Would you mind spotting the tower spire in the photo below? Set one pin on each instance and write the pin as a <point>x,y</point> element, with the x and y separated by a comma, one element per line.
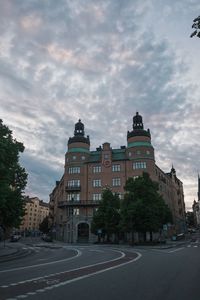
<point>137,122</point>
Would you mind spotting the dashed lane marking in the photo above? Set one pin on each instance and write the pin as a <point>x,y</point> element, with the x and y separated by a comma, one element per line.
<point>100,251</point>
<point>44,264</point>
<point>80,273</point>
<point>175,250</point>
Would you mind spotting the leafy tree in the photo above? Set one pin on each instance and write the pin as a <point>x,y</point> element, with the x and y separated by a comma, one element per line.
<point>190,219</point>
<point>44,225</point>
<point>13,179</point>
<point>143,208</point>
<point>196,25</point>
<point>107,217</point>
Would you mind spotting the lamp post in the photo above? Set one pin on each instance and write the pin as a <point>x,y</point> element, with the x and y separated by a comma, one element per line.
<point>72,221</point>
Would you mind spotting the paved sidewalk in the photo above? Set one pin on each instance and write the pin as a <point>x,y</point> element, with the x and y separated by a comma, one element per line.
<point>10,250</point>
<point>6,249</point>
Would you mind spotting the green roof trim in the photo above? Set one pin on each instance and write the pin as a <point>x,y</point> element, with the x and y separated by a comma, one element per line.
<point>118,150</point>
<point>139,144</point>
<point>82,150</point>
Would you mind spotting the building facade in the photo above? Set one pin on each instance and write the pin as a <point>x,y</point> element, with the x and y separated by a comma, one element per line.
<point>196,207</point>
<point>77,195</point>
<point>35,212</point>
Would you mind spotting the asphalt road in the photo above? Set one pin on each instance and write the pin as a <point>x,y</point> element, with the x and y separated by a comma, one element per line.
<point>103,272</point>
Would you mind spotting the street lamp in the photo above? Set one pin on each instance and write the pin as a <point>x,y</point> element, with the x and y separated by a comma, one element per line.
<point>72,221</point>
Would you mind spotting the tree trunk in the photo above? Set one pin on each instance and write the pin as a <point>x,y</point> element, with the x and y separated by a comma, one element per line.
<point>99,238</point>
<point>132,237</point>
<point>108,238</point>
<point>151,236</point>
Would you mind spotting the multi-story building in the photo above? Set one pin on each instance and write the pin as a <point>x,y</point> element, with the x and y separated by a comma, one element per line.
<point>77,195</point>
<point>196,207</point>
<point>35,212</point>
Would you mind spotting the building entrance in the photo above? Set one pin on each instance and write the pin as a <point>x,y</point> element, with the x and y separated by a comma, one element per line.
<point>83,232</point>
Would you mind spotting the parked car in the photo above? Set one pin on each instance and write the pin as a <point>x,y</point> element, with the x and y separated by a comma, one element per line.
<point>191,230</point>
<point>15,238</point>
<point>47,238</point>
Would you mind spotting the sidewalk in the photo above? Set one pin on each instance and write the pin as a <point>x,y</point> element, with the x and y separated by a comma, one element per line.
<point>6,249</point>
<point>9,251</point>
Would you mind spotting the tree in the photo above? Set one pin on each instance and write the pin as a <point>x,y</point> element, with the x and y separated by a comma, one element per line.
<point>44,225</point>
<point>190,219</point>
<point>196,25</point>
<point>13,179</point>
<point>143,208</point>
<point>107,217</point>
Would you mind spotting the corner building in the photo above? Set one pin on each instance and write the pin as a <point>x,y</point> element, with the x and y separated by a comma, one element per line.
<point>77,195</point>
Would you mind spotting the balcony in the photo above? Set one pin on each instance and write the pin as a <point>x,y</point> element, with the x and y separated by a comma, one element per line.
<point>81,203</point>
<point>73,188</point>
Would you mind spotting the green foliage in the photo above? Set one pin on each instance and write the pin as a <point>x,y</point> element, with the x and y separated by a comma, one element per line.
<point>143,209</point>
<point>190,219</point>
<point>13,179</point>
<point>44,225</point>
<point>196,25</point>
<point>107,216</point>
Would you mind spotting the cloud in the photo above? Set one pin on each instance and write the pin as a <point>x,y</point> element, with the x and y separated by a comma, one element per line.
<point>101,62</point>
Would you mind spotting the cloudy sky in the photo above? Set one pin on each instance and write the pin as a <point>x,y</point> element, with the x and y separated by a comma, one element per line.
<point>100,61</point>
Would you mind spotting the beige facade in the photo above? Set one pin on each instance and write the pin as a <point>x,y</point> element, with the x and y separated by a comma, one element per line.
<point>77,194</point>
<point>35,212</point>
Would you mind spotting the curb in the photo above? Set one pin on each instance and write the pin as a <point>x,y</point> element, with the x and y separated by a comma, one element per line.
<point>19,253</point>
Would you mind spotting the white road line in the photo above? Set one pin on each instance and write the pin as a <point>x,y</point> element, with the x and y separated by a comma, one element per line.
<point>178,249</point>
<point>100,251</point>
<point>44,264</point>
<point>58,273</point>
<point>88,275</point>
<point>188,246</point>
<point>98,272</point>
<point>31,293</point>
<point>195,246</point>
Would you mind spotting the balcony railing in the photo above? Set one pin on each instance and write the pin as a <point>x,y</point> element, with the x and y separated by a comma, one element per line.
<point>81,203</point>
<point>73,188</point>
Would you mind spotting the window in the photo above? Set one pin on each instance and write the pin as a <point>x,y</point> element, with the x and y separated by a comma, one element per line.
<point>75,182</point>
<point>139,165</point>
<point>74,170</point>
<point>96,197</point>
<point>73,197</point>
<point>74,157</point>
<point>116,168</point>
<point>76,211</point>
<point>147,152</point>
<point>138,152</point>
<point>96,182</point>
<point>83,157</point>
<point>134,177</point>
<point>116,181</point>
<point>96,169</point>
<point>129,154</point>
<point>106,156</point>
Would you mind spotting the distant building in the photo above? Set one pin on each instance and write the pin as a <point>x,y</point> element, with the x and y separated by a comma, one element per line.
<point>76,196</point>
<point>196,206</point>
<point>35,212</point>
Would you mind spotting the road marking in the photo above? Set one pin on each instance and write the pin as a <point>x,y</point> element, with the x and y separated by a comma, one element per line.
<point>44,264</point>
<point>139,255</point>
<point>40,279</point>
<point>178,249</point>
<point>31,293</point>
<point>100,251</point>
